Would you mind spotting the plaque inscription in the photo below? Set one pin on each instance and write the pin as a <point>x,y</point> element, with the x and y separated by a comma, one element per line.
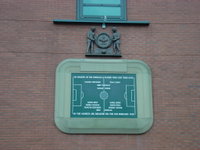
<point>102,95</point>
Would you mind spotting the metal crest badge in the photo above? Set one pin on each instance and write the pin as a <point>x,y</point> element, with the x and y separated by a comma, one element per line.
<point>103,44</point>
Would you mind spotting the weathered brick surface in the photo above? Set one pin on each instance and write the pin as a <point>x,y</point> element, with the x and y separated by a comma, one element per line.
<point>31,46</point>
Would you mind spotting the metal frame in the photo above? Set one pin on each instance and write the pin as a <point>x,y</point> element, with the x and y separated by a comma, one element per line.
<point>123,17</point>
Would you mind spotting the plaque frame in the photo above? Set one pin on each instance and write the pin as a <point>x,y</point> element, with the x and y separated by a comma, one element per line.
<point>68,124</point>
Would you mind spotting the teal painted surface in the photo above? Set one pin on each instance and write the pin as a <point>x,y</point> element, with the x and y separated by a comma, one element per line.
<point>63,97</point>
<point>57,21</point>
<point>103,95</point>
<point>102,1</point>
<point>101,11</point>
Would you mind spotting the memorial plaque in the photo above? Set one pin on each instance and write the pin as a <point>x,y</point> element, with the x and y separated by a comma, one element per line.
<point>97,96</point>
<point>101,95</point>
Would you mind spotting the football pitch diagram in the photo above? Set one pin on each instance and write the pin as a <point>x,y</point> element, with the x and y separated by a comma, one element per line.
<point>98,95</point>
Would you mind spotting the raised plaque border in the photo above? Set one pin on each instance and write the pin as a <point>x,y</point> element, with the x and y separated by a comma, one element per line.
<point>138,125</point>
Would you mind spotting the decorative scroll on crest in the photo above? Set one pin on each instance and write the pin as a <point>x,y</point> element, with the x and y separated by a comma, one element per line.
<point>103,44</point>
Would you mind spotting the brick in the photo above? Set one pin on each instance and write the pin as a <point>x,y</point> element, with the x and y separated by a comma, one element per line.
<point>32,46</point>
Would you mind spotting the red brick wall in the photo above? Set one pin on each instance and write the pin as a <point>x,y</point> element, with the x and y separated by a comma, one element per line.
<point>31,46</point>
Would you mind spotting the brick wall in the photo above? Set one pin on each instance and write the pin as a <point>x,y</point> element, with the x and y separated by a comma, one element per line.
<point>31,46</point>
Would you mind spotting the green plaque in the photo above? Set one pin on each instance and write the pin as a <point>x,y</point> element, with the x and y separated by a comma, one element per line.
<point>100,95</point>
